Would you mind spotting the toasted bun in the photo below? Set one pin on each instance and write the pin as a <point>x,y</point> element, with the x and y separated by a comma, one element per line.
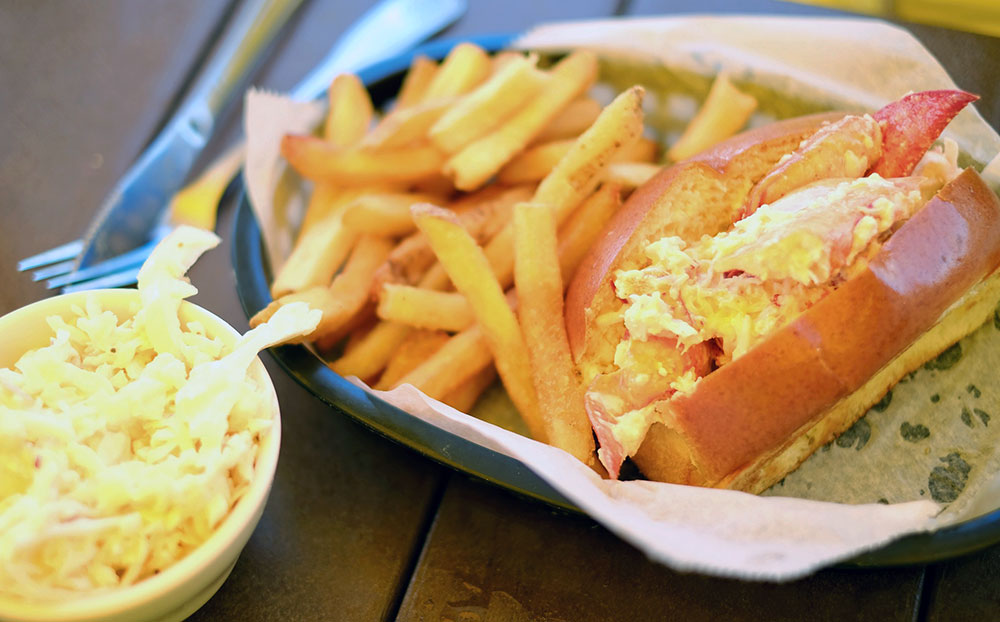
<point>750,422</point>
<point>696,197</point>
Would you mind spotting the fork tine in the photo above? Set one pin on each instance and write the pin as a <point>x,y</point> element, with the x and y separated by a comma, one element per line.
<point>128,276</point>
<point>126,260</point>
<point>53,255</point>
<point>53,270</point>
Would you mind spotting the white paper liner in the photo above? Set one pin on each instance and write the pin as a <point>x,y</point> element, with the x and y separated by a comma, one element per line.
<point>855,62</point>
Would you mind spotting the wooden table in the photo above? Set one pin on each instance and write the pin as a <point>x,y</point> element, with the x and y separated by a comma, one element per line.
<point>357,527</point>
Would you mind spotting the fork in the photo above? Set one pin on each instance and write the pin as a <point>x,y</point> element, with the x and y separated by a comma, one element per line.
<point>132,215</point>
<point>391,27</point>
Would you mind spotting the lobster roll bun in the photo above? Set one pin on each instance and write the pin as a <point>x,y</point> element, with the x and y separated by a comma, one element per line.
<point>748,305</point>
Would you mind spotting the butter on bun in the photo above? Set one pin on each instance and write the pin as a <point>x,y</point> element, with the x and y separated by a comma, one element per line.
<point>748,305</point>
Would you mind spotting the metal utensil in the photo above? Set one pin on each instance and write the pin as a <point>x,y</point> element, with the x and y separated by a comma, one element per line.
<point>391,27</point>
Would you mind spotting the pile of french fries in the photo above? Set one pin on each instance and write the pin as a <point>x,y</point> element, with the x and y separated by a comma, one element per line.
<point>439,237</point>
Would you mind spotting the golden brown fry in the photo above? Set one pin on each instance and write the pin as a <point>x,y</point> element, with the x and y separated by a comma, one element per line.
<point>578,115</point>
<point>317,160</point>
<point>470,272</point>
<point>485,212</point>
<point>582,230</point>
<point>405,126</point>
<point>641,150</point>
<point>369,355</point>
<point>347,294</point>
<point>414,350</point>
<point>534,163</point>
<point>477,162</point>
<point>418,78</point>
<point>462,70</point>
<point>363,320</point>
<point>437,184</point>
<point>461,358</point>
<point>540,309</point>
<point>358,333</point>
<point>502,58</point>
<point>424,308</point>
<point>386,214</point>
<point>321,201</point>
<point>350,111</point>
<point>488,105</point>
<point>465,396</point>
<point>630,175</point>
<point>322,245</point>
<point>482,213</point>
<point>724,112</point>
<point>577,174</point>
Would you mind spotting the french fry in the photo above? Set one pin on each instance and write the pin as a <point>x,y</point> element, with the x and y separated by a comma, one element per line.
<point>386,214</point>
<point>578,115</point>
<point>350,111</point>
<point>424,308</point>
<point>641,150</point>
<point>489,104</point>
<point>577,173</point>
<point>470,272</point>
<point>418,78</point>
<point>461,71</point>
<point>322,200</point>
<point>461,358</point>
<point>319,161</point>
<point>585,226</point>
<point>347,294</point>
<point>482,213</point>
<point>414,350</point>
<point>630,175</point>
<point>540,309</point>
<point>465,396</point>
<point>369,355</point>
<point>500,59</point>
<point>536,162</point>
<point>359,333</point>
<point>361,321</point>
<point>478,161</point>
<point>437,184</point>
<point>322,245</point>
<point>405,126</point>
<point>724,112</point>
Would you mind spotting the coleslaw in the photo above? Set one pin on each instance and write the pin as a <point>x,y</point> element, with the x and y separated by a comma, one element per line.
<point>126,441</point>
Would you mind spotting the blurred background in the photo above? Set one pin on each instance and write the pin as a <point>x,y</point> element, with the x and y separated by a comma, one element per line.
<point>981,16</point>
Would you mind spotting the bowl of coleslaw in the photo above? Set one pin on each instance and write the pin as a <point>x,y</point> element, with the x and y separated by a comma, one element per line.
<point>139,437</point>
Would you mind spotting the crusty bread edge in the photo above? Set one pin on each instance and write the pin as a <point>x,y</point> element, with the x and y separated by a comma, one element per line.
<point>961,319</point>
<point>750,422</point>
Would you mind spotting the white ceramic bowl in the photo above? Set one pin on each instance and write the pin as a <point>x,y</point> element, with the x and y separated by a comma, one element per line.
<point>182,588</point>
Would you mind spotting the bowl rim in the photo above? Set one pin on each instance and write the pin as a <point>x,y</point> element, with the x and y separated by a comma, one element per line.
<point>252,278</point>
<point>238,523</point>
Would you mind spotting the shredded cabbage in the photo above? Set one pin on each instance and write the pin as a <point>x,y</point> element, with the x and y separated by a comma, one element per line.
<point>126,441</point>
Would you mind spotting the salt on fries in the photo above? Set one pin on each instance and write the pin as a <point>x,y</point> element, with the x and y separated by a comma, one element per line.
<point>438,238</point>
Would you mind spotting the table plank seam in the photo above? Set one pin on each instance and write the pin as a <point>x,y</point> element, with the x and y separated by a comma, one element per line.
<point>419,545</point>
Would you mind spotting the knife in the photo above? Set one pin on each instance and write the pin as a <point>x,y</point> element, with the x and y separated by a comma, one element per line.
<point>132,212</point>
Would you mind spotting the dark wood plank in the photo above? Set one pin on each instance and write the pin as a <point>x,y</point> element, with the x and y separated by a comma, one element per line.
<point>491,555</point>
<point>965,589</point>
<point>84,87</point>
